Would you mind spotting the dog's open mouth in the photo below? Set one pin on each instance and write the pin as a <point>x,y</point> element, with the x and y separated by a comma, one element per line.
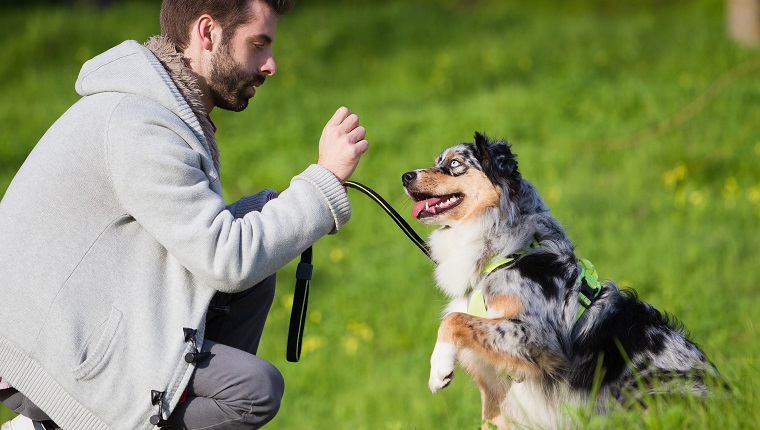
<point>426,206</point>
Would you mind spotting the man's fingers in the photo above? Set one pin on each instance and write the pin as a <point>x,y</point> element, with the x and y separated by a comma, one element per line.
<point>342,144</point>
<point>357,134</point>
<point>362,145</point>
<point>339,116</point>
<point>350,122</point>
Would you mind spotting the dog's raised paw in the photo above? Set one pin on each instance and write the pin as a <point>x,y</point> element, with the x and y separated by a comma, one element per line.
<point>437,383</point>
<point>442,363</point>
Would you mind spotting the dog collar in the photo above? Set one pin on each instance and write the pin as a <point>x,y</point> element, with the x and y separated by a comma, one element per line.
<point>477,304</point>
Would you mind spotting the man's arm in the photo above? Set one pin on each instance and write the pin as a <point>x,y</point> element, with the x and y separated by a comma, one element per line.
<point>160,182</point>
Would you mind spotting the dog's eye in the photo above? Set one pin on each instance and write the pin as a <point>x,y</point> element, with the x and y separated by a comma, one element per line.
<point>454,164</point>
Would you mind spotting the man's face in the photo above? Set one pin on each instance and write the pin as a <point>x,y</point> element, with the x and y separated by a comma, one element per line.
<point>244,60</point>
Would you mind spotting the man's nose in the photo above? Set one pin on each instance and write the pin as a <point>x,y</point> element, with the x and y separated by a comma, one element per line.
<point>270,67</point>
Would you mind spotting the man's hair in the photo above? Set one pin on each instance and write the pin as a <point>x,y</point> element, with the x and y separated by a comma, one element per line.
<point>177,16</point>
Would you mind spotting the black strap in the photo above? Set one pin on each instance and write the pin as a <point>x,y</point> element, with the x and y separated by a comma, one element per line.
<point>403,225</point>
<point>298,313</point>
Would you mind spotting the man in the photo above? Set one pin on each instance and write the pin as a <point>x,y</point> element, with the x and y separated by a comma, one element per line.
<point>131,294</point>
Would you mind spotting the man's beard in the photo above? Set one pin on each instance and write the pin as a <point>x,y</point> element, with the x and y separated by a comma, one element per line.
<point>229,82</point>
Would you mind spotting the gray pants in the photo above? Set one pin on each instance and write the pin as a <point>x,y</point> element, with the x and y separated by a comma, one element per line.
<point>232,388</point>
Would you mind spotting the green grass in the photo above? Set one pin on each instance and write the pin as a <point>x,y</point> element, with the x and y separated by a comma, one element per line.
<point>635,120</point>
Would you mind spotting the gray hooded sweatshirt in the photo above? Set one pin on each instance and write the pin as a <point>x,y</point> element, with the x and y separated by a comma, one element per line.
<point>114,237</point>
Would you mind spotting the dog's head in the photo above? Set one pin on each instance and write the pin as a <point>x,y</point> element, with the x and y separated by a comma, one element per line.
<point>465,181</point>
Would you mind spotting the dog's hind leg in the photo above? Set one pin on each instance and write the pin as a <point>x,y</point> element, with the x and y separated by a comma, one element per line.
<point>493,385</point>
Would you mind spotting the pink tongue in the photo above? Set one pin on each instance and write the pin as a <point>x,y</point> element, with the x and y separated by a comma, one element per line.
<point>420,206</point>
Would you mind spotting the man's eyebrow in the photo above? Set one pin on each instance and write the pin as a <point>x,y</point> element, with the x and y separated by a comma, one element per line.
<point>260,38</point>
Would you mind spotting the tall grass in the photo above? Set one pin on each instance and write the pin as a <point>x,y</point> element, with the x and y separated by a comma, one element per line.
<point>638,121</point>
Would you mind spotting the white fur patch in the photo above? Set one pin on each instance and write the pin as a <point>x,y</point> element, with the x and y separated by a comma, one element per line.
<point>527,405</point>
<point>442,363</point>
<point>457,252</point>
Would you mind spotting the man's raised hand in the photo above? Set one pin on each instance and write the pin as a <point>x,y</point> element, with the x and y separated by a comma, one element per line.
<point>342,144</point>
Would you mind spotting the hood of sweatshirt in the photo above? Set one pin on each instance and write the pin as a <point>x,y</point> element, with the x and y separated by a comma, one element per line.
<point>154,71</point>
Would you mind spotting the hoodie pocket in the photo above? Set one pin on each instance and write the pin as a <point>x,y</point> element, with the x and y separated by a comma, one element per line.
<point>96,354</point>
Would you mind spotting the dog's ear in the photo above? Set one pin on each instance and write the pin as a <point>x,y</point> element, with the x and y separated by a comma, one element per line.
<point>496,158</point>
<point>481,147</point>
<point>504,161</point>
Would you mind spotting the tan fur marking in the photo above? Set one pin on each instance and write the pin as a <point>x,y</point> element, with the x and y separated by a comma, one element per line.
<point>468,331</point>
<point>491,393</point>
<point>505,306</point>
<point>433,182</point>
<point>480,192</point>
<point>492,383</point>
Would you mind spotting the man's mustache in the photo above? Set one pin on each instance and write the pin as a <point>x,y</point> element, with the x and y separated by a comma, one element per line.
<point>258,79</point>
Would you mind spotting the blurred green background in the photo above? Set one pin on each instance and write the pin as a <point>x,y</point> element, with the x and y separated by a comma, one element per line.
<point>639,122</point>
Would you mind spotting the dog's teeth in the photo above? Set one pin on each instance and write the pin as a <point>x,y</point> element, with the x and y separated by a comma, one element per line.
<point>427,206</point>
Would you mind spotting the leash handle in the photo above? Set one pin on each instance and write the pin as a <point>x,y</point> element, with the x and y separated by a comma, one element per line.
<point>300,300</point>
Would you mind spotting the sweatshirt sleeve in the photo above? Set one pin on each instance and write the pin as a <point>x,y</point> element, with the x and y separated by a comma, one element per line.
<point>317,175</point>
<point>160,181</point>
<point>251,203</point>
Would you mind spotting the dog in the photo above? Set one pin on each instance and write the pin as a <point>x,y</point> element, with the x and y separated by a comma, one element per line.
<point>527,319</point>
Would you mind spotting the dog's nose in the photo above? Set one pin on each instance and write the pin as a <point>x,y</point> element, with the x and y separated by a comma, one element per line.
<point>408,177</point>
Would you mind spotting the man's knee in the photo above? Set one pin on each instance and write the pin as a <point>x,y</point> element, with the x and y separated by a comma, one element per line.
<point>268,386</point>
<point>276,380</point>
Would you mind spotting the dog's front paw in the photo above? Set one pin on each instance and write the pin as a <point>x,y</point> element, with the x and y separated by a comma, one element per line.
<point>442,366</point>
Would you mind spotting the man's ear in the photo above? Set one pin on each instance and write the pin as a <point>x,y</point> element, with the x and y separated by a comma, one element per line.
<point>207,31</point>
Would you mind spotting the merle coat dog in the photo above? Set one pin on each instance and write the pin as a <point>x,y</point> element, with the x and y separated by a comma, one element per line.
<point>548,334</point>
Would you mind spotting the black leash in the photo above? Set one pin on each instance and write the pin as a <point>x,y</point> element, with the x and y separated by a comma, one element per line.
<point>300,300</point>
<point>403,225</point>
<point>305,269</point>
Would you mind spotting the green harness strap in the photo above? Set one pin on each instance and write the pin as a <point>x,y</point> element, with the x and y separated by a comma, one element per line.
<point>590,286</point>
<point>477,304</point>
<point>589,279</point>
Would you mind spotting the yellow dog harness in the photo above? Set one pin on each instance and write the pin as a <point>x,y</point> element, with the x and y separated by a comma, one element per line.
<point>589,279</point>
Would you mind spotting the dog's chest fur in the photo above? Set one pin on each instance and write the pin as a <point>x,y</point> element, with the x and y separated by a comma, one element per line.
<point>458,252</point>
